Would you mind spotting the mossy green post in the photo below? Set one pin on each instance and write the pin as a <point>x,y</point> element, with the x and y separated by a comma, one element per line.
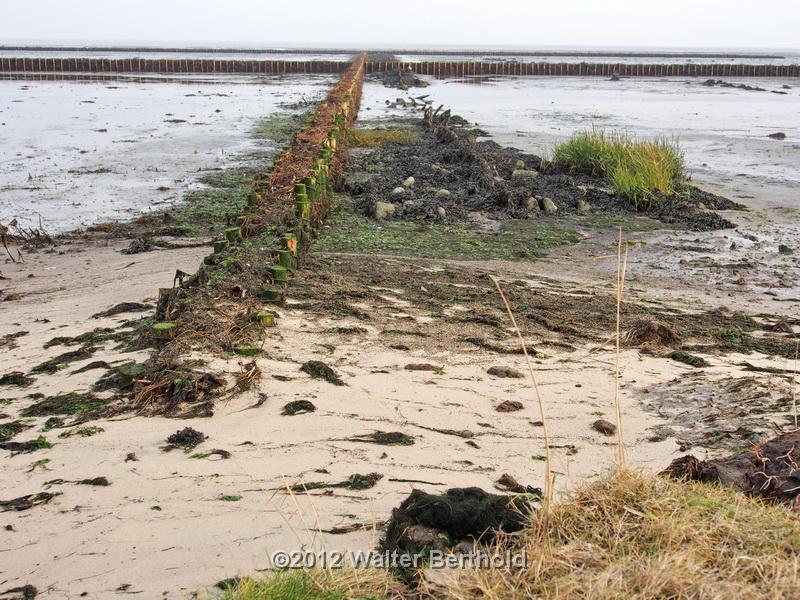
<point>279,274</point>
<point>220,246</point>
<point>274,294</point>
<point>233,234</point>
<point>164,330</point>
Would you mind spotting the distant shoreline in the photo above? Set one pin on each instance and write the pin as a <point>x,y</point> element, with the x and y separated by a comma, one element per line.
<point>206,50</point>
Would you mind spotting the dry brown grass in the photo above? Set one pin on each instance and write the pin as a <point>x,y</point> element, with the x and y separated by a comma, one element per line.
<point>630,536</point>
<point>372,138</point>
<point>625,537</point>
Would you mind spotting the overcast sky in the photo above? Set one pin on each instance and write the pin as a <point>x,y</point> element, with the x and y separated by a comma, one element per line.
<point>424,23</point>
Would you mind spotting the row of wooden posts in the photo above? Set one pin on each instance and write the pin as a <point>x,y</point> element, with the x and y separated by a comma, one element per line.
<point>311,191</point>
<point>21,66</point>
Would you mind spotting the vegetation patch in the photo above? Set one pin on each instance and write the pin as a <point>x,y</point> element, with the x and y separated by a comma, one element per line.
<point>639,170</point>
<point>351,231</point>
<point>69,403</point>
<point>372,138</point>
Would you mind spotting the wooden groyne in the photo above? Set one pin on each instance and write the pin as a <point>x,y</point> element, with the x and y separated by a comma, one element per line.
<point>59,66</point>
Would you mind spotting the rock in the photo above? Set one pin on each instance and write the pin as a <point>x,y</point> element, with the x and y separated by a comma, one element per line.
<point>548,205</point>
<point>398,191</point>
<point>436,167</point>
<point>408,183</point>
<point>784,249</point>
<point>383,210</point>
<point>476,217</point>
<point>701,206</point>
<point>509,406</point>
<point>507,372</point>
<point>520,173</point>
<point>520,164</point>
<point>442,193</point>
<point>584,206</point>
<point>777,136</point>
<point>614,77</point>
<point>604,427</point>
<point>409,204</point>
<point>400,102</point>
<point>532,204</point>
<point>441,212</point>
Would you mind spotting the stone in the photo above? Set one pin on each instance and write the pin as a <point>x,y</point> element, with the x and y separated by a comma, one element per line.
<point>475,217</point>
<point>548,205</point>
<point>398,191</point>
<point>408,183</point>
<point>509,406</point>
<point>532,204</point>
<point>605,427</point>
<point>506,372</point>
<point>520,164</point>
<point>519,173</point>
<point>777,136</point>
<point>583,206</point>
<point>436,167</point>
<point>409,204</point>
<point>441,212</point>
<point>442,193</point>
<point>384,210</point>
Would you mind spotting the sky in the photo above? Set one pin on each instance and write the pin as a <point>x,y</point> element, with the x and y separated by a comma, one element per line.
<point>408,23</point>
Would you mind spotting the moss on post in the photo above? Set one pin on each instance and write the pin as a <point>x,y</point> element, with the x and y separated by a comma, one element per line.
<point>274,294</point>
<point>164,330</point>
<point>267,318</point>
<point>233,234</point>
<point>279,274</point>
<point>220,246</point>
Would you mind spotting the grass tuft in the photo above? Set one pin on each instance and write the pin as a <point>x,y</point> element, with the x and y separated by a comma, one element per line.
<point>372,138</point>
<point>337,584</point>
<point>639,171</point>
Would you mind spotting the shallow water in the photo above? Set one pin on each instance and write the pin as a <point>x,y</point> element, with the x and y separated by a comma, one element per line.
<point>722,131</point>
<point>79,153</point>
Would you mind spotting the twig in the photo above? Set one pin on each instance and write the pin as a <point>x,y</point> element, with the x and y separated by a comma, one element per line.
<point>548,484</point>
<point>621,268</point>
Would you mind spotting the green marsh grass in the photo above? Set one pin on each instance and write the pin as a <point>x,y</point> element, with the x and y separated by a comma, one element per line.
<point>639,170</point>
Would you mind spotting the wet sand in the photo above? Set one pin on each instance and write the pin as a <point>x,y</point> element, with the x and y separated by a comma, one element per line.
<point>78,153</point>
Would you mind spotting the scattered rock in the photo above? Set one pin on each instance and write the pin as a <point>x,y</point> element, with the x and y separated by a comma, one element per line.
<point>398,191</point>
<point>777,136</point>
<point>605,427</point>
<point>442,193</point>
<point>384,210</point>
<point>509,406</point>
<point>784,249</point>
<point>409,183</point>
<point>520,164</point>
<point>584,206</point>
<point>547,205</point>
<point>528,173</point>
<point>532,204</point>
<point>507,372</point>
<point>441,212</point>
